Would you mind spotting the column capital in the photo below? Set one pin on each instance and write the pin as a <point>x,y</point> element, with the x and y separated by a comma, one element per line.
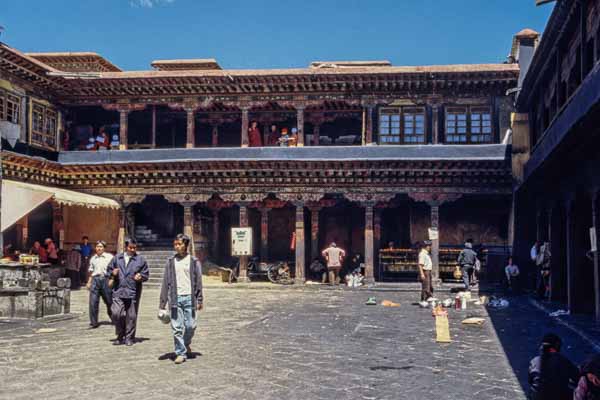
<point>126,200</point>
<point>434,198</point>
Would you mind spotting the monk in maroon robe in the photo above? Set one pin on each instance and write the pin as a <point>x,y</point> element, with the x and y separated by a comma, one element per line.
<point>254,139</point>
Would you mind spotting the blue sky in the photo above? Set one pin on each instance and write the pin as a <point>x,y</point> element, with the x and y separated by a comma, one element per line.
<point>273,33</point>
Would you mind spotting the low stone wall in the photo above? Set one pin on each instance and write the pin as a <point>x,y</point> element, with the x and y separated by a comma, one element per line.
<point>27,303</point>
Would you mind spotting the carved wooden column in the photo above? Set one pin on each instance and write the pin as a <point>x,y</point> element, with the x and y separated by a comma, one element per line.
<point>58,228</point>
<point>369,248</point>
<point>264,233</point>
<point>570,230</point>
<point>123,126</point>
<point>190,142</point>
<point>316,134</point>
<point>215,234</point>
<point>435,243</point>
<point>314,232</point>
<point>368,122</point>
<point>300,124</point>
<point>245,141</point>
<point>22,226</point>
<point>377,236</point>
<point>188,224</point>
<point>300,244</point>
<point>435,124</point>
<point>153,133</point>
<point>121,234</point>
<point>243,275</point>
<point>215,136</point>
<point>126,214</point>
<point>595,221</point>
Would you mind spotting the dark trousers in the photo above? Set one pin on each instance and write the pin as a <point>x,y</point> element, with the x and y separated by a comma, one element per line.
<point>466,270</point>
<point>426,285</point>
<point>124,318</point>
<point>83,271</point>
<point>99,288</point>
<point>138,296</point>
<point>334,275</point>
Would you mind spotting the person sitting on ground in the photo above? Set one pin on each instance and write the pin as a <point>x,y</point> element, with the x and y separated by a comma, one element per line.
<point>102,140</point>
<point>354,276</point>
<point>318,270</point>
<point>52,251</point>
<point>551,374</point>
<point>588,387</point>
<point>512,274</point>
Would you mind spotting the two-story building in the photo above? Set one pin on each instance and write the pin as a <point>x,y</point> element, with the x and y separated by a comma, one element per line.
<point>383,153</point>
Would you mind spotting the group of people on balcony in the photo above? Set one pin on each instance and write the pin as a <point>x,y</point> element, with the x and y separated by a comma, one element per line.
<point>283,138</point>
<point>83,138</point>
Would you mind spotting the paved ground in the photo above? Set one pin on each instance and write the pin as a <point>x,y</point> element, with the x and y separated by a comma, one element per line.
<point>274,344</point>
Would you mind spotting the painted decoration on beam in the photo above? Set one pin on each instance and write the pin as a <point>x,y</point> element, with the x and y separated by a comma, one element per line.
<point>241,242</point>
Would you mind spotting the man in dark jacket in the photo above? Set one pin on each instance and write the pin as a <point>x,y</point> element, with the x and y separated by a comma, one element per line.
<point>182,289</point>
<point>467,259</point>
<point>126,272</point>
<point>551,375</point>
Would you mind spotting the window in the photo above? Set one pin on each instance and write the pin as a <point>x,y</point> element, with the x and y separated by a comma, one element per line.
<point>44,123</point>
<point>402,125</point>
<point>469,125</point>
<point>10,106</point>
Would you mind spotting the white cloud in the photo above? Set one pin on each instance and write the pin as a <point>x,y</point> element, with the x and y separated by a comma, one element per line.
<point>149,3</point>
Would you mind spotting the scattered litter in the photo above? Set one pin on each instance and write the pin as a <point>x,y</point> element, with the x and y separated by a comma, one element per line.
<point>439,311</point>
<point>498,303</point>
<point>442,329</point>
<point>388,303</point>
<point>559,312</point>
<point>473,321</point>
<point>484,299</point>
<point>371,301</point>
<point>424,304</point>
<point>312,283</point>
<point>477,302</point>
<point>448,303</point>
<point>46,330</point>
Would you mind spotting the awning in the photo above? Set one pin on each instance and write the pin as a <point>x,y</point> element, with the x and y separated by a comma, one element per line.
<point>19,199</point>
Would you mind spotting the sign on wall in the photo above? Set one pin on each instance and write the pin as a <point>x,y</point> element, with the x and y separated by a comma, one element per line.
<point>241,241</point>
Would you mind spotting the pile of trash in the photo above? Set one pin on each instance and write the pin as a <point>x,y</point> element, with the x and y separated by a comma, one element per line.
<point>498,302</point>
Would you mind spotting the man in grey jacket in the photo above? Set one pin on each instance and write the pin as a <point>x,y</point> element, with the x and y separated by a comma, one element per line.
<point>182,289</point>
<point>467,259</point>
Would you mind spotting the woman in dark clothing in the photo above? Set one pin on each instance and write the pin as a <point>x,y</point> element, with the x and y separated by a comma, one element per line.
<point>589,383</point>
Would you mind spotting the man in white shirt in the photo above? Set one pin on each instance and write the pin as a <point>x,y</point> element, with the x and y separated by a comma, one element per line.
<point>182,289</point>
<point>512,273</point>
<point>425,267</point>
<point>97,283</point>
<point>334,257</point>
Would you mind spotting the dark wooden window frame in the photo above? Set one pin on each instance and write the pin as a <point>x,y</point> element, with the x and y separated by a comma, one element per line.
<point>402,125</point>
<point>469,124</point>
<point>44,126</point>
<point>10,107</point>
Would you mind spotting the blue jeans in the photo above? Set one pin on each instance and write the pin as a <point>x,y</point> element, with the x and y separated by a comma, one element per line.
<point>183,324</point>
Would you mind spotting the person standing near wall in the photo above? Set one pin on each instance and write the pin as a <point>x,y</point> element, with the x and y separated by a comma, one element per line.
<point>125,271</point>
<point>467,259</point>
<point>182,289</point>
<point>97,283</point>
<point>334,257</point>
<point>86,252</point>
<point>425,267</point>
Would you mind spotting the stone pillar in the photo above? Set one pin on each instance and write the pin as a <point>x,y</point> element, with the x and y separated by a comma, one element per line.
<point>300,244</point>
<point>121,234</point>
<point>570,230</point>
<point>243,276</point>
<point>58,227</point>
<point>368,123</point>
<point>190,129</point>
<point>316,134</point>
<point>153,133</point>
<point>435,243</point>
<point>314,233</point>
<point>215,234</point>
<point>435,124</point>
<point>215,136</point>
<point>245,141</point>
<point>369,248</point>
<point>264,234</point>
<point>300,125</point>
<point>123,126</point>
<point>595,221</point>
<point>188,224</point>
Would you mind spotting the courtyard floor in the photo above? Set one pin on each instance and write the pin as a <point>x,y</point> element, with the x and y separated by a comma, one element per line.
<point>312,343</point>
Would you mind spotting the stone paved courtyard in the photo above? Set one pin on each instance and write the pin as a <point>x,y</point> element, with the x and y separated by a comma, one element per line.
<point>277,344</point>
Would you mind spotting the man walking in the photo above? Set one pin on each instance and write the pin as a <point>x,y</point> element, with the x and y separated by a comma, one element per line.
<point>334,257</point>
<point>182,289</point>
<point>467,259</point>
<point>97,283</point>
<point>125,272</point>
<point>86,252</point>
<point>425,267</point>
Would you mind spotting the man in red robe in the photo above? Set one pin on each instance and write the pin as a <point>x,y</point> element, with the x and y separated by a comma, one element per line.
<point>254,138</point>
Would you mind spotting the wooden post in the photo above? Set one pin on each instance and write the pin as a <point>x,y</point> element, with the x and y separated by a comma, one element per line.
<point>123,126</point>
<point>435,243</point>
<point>369,248</point>
<point>153,133</point>
<point>300,125</point>
<point>368,123</point>
<point>190,129</point>
<point>121,234</point>
<point>552,259</point>
<point>264,233</point>
<point>377,238</point>
<point>300,244</point>
<point>215,234</point>
<point>314,232</point>
<point>595,221</point>
<point>243,275</point>
<point>215,135</point>
<point>570,229</point>
<point>188,224</point>
<point>435,124</point>
<point>245,141</point>
<point>316,134</point>
<point>58,228</point>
